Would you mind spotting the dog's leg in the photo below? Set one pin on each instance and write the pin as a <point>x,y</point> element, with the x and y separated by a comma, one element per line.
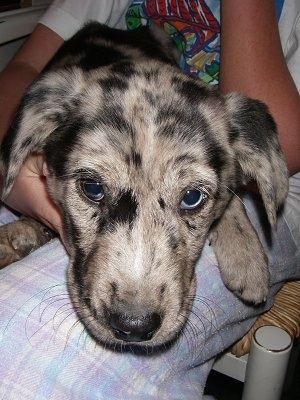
<point>21,237</point>
<point>242,261</point>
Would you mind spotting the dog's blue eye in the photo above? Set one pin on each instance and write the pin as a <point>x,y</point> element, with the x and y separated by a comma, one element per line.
<point>192,199</point>
<point>93,190</point>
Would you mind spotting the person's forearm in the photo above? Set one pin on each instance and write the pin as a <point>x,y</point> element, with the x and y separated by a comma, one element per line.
<point>252,62</point>
<point>23,68</point>
<point>13,83</point>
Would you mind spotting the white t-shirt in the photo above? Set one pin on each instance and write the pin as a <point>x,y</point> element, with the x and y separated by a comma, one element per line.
<point>65,17</point>
<point>289,29</point>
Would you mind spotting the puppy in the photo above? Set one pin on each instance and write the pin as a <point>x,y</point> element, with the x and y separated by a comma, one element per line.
<point>144,163</point>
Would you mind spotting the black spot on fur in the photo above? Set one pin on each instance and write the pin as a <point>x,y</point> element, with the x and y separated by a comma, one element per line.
<point>216,160</point>
<point>39,93</point>
<point>185,159</point>
<point>186,123</point>
<point>190,89</point>
<point>140,38</point>
<point>8,142</point>
<point>113,116</point>
<point>216,157</point>
<point>162,203</point>
<point>124,211</point>
<point>79,259</point>
<point>151,75</point>
<point>250,120</point>
<point>59,145</point>
<point>136,159</point>
<point>26,143</point>
<point>105,53</point>
<point>125,69</point>
<point>169,116</point>
<point>150,97</point>
<point>127,159</point>
<point>173,242</point>
<point>95,215</point>
<point>190,226</point>
<point>113,83</point>
<point>92,54</point>
<point>78,270</point>
<point>163,289</point>
<point>234,134</point>
<point>96,56</point>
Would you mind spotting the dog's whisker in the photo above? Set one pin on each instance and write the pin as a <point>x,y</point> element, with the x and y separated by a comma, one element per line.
<point>42,318</point>
<point>62,310</point>
<point>28,301</point>
<point>49,302</point>
<point>237,196</point>
<point>71,330</point>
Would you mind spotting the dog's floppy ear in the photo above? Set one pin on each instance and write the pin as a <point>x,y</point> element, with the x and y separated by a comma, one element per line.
<point>257,150</point>
<point>45,105</point>
<point>240,254</point>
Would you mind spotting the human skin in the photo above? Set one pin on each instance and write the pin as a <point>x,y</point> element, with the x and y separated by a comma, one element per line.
<point>252,62</point>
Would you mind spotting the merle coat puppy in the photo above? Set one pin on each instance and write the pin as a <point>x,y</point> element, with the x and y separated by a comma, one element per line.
<point>144,163</point>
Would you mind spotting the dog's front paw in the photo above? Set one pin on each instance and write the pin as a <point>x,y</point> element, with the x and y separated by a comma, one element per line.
<point>21,237</point>
<point>7,254</point>
<point>241,258</point>
<point>249,279</point>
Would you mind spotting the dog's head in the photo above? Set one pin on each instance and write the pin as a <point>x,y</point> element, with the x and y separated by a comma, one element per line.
<point>142,159</point>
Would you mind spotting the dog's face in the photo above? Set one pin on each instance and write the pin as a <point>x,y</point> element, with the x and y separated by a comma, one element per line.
<point>145,174</point>
<point>142,160</point>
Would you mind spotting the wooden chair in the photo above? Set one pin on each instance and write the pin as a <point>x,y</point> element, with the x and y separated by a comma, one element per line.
<point>285,314</point>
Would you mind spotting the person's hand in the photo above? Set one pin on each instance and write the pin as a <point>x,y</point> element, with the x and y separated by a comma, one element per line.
<point>29,194</point>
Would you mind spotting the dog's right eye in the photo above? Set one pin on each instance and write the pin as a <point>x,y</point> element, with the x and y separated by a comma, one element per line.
<point>192,199</point>
<point>93,190</point>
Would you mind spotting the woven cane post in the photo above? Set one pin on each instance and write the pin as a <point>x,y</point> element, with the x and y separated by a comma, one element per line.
<point>285,313</point>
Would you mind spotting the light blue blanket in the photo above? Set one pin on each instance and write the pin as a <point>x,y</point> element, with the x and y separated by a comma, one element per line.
<point>45,352</point>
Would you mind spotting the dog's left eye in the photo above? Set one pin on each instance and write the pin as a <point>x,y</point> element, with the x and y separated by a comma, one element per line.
<point>192,199</point>
<point>93,190</point>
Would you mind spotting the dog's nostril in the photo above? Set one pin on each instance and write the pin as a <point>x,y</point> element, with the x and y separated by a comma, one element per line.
<point>134,329</point>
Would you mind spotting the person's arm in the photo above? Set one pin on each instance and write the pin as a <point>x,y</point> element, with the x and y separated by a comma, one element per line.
<point>252,62</point>
<point>28,62</point>
<point>29,194</point>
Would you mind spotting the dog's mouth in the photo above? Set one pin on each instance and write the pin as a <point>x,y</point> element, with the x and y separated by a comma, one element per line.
<point>134,328</point>
<point>121,330</point>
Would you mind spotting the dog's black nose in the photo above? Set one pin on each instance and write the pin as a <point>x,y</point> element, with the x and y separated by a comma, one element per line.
<point>134,328</point>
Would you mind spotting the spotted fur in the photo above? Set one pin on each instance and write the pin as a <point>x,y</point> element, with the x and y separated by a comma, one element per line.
<point>114,110</point>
